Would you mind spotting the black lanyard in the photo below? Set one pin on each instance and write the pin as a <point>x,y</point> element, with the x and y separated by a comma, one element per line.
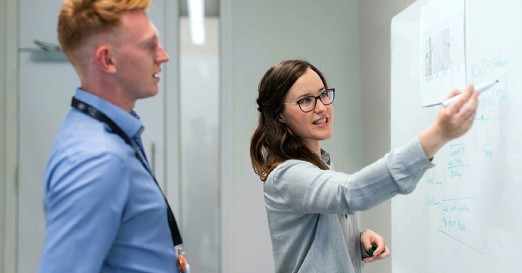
<point>98,115</point>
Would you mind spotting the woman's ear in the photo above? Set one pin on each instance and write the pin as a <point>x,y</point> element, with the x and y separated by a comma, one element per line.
<point>281,119</point>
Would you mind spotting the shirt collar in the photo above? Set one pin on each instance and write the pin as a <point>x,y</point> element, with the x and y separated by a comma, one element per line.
<point>325,156</point>
<point>130,124</point>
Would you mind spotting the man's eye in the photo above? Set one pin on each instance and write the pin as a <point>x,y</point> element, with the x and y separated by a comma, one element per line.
<point>304,101</point>
<point>151,45</point>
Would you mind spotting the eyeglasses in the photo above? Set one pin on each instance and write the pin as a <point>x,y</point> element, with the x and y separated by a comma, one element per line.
<point>308,103</point>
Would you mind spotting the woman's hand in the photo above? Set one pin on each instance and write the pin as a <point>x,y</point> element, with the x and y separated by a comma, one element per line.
<point>451,122</point>
<point>370,238</point>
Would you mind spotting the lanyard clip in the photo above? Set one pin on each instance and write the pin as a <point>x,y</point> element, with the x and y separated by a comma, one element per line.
<point>182,263</point>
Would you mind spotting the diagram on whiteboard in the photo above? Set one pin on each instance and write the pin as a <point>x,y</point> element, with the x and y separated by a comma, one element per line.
<point>455,194</point>
<point>442,49</point>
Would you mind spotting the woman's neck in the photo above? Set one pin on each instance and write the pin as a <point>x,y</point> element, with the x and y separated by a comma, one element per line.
<point>314,146</point>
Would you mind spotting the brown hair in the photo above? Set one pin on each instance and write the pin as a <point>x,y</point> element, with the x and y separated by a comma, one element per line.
<point>80,19</point>
<point>274,142</point>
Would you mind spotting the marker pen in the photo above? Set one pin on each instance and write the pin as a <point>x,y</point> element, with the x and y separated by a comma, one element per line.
<point>371,250</point>
<point>479,89</point>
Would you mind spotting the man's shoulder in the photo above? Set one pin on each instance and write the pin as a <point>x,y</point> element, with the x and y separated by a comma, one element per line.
<point>80,134</point>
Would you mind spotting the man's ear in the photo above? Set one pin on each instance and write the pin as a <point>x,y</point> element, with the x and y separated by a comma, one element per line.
<point>105,59</point>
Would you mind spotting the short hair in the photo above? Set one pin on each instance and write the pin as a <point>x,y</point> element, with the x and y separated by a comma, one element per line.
<point>274,142</point>
<point>80,19</point>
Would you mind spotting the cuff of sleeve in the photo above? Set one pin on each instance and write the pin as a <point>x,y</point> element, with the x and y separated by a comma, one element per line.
<point>407,165</point>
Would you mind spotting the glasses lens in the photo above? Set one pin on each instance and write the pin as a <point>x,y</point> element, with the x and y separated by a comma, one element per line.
<point>327,97</point>
<point>307,104</point>
<point>330,94</point>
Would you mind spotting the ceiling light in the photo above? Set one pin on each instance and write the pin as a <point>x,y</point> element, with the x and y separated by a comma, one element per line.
<point>196,13</point>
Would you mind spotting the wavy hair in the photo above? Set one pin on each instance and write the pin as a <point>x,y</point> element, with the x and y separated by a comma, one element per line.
<point>273,142</point>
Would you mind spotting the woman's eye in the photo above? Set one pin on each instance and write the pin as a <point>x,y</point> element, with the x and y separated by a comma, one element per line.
<point>324,94</point>
<point>304,101</point>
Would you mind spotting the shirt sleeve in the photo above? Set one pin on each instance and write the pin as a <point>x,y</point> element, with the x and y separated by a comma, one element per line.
<point>84,205</point>
<point>305,188</point>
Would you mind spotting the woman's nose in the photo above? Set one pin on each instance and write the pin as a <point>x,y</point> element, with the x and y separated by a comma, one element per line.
<point>319,106</point>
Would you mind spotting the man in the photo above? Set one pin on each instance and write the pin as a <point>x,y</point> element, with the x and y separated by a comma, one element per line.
<point>105,213</point>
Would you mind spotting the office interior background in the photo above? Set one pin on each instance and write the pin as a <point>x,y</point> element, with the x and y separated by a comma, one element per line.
<point>198,127</point>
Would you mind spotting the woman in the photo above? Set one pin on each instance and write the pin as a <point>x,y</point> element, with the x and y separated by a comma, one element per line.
<point>311,209</point>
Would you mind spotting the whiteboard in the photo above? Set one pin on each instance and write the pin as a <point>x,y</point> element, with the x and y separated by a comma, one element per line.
<point>464,215</point>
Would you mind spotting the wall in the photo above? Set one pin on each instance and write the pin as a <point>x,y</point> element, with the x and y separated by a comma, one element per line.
<point>8,134</point>
<point>3,143</point>
<point>374,19</point>
<point>3,54</point>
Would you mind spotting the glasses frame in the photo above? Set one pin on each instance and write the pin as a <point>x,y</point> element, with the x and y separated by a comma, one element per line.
<point>318,97</point>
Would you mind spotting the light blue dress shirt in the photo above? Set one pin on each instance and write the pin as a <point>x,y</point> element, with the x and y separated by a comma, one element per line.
<point>312,213</point>
<point>104,211</point>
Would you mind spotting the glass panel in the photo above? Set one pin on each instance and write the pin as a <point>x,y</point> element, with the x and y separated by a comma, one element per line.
<point>199,105</point>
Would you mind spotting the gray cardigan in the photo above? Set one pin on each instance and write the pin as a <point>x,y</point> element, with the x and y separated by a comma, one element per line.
<point>312,212</point>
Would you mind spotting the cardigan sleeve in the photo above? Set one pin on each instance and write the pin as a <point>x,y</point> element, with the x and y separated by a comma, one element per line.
<point>302,187</point>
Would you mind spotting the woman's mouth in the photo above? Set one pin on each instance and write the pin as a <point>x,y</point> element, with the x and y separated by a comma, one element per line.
<point>321,121</point>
